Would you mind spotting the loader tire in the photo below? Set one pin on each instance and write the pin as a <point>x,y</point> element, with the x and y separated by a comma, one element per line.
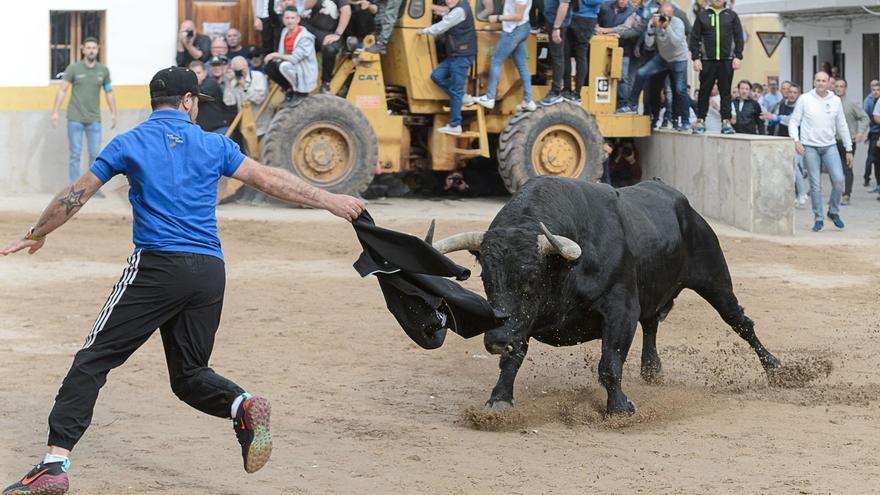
<point>562,140</point>
<point>326,141</point>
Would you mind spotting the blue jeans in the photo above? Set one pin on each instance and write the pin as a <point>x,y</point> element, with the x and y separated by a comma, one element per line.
<point>814,157</point>
<point>625,85</point>
<point>451,76</point>
<point>678,74</point>
<point>798,176</point>
<point>513,43</point>
<point>75,136</point>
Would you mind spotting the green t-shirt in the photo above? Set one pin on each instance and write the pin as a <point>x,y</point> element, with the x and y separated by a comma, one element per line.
<point>85,105</point>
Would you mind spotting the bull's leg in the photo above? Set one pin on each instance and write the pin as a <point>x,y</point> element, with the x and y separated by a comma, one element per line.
<point>617,336</point>
<point>501,399</point>
<point>725,303</point>
<point>650,359</point>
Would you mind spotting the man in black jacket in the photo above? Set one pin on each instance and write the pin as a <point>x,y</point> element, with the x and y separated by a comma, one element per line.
<point>748,111</point>
<point>716,45</point>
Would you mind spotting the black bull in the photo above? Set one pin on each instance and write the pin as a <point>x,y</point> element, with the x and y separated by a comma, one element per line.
<point>606,260</point>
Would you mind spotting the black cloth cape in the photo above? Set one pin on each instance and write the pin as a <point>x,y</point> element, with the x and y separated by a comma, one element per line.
<point>411,274</point>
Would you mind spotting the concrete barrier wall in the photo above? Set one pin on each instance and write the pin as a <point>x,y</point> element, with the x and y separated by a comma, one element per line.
<point>744,181</point>
<point>33,155</point>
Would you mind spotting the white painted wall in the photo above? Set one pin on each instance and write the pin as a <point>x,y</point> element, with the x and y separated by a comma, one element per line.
<point>780,6</point>
<point>140,38</point>
<point>850,36</point>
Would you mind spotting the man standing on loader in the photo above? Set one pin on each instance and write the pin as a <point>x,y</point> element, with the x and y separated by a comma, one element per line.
<point>461,47</point>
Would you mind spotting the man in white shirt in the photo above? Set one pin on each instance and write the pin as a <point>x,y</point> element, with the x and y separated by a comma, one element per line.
<point>815,123</point>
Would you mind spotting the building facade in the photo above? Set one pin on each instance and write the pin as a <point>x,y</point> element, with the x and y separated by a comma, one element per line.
<point>843,34</point>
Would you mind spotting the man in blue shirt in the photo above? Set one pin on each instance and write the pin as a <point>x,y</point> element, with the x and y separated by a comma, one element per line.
<point>175,278</point>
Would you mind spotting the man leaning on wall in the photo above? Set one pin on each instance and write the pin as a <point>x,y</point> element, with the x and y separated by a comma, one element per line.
<point>87,78</point>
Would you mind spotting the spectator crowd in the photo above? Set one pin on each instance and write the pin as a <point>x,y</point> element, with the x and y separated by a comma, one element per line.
<point>301,40</point>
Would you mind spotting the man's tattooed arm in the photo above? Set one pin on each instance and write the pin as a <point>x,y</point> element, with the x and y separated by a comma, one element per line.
<point>67,203</point>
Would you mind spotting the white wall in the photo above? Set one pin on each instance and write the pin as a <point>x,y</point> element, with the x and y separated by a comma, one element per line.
<point>779,6</point>
<point>850,37</point>
<point>140,38</point>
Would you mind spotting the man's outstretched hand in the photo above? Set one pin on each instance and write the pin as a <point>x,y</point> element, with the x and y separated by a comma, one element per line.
<point>347,207</point>
<point>31,246</point>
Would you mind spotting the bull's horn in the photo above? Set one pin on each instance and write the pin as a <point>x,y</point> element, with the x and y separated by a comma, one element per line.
<point>429,237</point>
<point>469,241</point>
<point>556,244</point>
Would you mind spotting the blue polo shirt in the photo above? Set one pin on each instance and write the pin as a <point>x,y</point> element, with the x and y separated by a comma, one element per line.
<point>173,168</point>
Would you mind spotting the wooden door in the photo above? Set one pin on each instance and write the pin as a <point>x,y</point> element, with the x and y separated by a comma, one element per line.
<point>213,17</point>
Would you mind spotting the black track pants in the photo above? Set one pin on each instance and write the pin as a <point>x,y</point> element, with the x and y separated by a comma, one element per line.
<point>179,293</point>
<point>715,71</point>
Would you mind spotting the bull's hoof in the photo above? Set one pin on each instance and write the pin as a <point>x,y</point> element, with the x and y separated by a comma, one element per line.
<point>652,373</point>
<point>627,409</point>
<point>770,363</point>
<point>499,406</point>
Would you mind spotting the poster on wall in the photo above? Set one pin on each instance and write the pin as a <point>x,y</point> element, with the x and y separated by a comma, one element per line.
<point>215,29</point>
<point>770,40</point>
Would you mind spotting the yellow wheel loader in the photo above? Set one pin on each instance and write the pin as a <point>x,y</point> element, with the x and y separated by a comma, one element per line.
<point>383,112</point>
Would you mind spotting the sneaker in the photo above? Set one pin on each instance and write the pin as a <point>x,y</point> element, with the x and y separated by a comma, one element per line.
<point>844,200</point>
<point>818,225</point>
<point>727,128</point>
<point>666,125</point>
<point>835,219</point>
<point>43,479</point>
<point>451,130</point>
<point>683,128</point>
<point>485,101</point>
<point>572,97</point>
<point>376,48</point>
<point>875,190</point>
<point>700,127</point>
<point>867,182</point>
<point>802,199</point>
<point>527,106</point>
<point>251,425</point>
<point>550,98</point>
<point>626,109</point>
<point>325,88</point>
<point>467,100</point>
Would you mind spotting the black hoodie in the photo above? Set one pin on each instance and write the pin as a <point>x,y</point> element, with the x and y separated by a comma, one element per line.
<point>717,35</point>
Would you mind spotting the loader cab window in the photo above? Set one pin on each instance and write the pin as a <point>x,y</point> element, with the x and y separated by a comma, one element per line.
<point>416,9</point>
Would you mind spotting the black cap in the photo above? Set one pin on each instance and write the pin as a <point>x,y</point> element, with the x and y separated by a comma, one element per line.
<point>176,81</point>
<point>217,60</point>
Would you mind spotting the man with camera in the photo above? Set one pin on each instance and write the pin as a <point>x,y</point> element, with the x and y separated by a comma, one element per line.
<point>243,85</point>
<point>716,48</point>
<point>191,45</point>
<point>667,32</point>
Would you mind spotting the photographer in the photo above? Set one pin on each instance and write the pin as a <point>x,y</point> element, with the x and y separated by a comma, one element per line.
<point>624,167</point>
<point>668,33</point>
<point>243,85</point>
<point>191,45</point>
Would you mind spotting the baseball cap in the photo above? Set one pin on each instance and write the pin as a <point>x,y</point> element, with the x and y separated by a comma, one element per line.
<point>176,81</point>
<point>217,60</point>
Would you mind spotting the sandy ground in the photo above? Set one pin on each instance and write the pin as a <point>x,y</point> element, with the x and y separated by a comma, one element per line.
<point>358,408</point>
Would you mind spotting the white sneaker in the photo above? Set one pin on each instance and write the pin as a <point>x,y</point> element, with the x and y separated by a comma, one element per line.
<point>452,131</point>
<point>484,101</point>
<point>467,100</point>
<point>802,200</point>
<point>527,106</point>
